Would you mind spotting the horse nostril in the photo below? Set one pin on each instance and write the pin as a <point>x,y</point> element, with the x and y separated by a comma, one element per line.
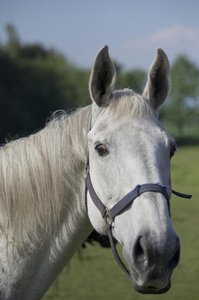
<point>139,251</point>
<point>176,258</point>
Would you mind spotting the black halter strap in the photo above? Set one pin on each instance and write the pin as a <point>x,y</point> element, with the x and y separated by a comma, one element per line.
<point>109,214</point>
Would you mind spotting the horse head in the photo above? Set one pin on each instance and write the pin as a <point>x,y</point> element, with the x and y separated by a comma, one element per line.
<point>128,146</point>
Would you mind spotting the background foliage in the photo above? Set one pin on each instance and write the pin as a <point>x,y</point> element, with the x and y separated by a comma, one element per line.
<point>35,81</point>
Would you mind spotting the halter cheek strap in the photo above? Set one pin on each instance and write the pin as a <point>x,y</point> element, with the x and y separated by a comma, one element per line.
<point>109,214</point>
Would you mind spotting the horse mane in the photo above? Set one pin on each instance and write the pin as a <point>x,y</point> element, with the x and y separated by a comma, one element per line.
<point>37,174</point>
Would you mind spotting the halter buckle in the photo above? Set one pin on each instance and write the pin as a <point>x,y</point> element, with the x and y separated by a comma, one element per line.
<point>107,217</point>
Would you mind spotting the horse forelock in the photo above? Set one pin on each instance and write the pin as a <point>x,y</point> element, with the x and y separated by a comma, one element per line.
<point>125,103</point>
<point>39,178</point>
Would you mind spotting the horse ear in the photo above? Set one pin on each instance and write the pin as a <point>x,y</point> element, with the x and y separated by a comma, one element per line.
<point>102,78</point>
<point>158,82</point>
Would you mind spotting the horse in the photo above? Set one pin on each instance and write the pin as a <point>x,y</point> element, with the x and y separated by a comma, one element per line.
<point>121,146</point>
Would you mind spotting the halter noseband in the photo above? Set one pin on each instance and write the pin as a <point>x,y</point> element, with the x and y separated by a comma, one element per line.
<point>109,214</point>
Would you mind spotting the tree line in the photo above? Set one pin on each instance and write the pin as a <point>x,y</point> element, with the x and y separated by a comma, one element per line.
<point>36,81</point>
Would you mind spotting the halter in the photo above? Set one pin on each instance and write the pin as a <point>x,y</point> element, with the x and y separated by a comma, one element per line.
<point>109,214</point>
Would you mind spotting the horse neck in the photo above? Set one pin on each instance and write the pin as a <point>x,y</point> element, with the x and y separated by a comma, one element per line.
<point>60,152</point>
<point>76,226</point>
<point>72,159</point>
<point>68,165</point>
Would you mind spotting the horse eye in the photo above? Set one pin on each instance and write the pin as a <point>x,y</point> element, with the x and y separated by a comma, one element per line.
<point>101,149</point>
<point>172,152</point>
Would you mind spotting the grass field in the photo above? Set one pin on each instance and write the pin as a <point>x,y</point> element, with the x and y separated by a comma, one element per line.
<point>94,274</point>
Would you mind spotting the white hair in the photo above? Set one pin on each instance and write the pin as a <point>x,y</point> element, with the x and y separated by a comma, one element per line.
<point>37,175</point>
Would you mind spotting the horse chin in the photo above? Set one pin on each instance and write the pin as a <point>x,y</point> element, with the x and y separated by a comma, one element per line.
<point>151,289</point>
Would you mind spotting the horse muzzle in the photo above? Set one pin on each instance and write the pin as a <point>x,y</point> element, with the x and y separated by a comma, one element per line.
<point>153,263</point>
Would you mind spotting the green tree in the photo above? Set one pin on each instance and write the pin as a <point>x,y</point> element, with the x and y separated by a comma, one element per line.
<point>34,82</point>
<point>133,79</point>
<point>184,95</point>
<point>13,41</point>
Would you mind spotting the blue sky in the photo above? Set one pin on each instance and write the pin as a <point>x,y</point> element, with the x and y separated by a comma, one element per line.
<point>133,29</point>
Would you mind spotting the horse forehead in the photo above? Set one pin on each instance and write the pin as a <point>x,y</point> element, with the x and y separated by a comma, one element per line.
<point>128,127</point>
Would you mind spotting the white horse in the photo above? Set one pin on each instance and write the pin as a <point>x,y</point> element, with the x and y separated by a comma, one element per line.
<point>43,215</point>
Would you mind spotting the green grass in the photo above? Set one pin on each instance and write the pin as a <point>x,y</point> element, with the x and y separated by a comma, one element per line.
<point>94,274</point>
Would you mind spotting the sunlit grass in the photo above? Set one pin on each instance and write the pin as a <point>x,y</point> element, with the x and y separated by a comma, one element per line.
<point>97,276</point>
